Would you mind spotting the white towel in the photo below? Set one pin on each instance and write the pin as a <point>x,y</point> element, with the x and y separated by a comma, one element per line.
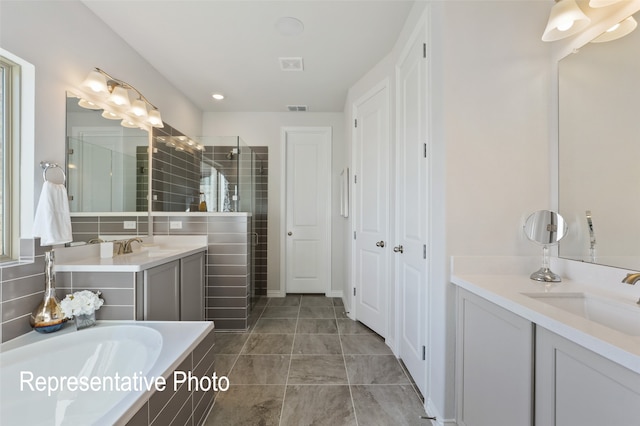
<point>52,222</point>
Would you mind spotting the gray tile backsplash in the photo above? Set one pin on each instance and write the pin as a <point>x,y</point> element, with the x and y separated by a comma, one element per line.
<point>227,266</point>
<point>21,289</point>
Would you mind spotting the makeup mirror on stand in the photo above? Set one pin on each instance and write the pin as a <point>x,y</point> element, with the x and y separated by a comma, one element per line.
<point>546,228</point>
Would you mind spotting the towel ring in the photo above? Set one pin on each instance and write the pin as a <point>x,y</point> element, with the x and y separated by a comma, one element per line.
<point>46,166</point>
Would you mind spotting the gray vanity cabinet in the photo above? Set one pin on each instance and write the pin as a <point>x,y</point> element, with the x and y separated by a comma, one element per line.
<point>161,292</point>
<point>495,353</point>
<point>173,291</point>
<point>192,287</point>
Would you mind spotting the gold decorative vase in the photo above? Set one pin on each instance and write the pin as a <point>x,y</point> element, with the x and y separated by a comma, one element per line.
<point>48,316</point>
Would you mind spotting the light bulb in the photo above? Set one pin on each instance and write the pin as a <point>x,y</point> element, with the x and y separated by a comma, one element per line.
<point>96,81</point>
<point>155,119</point>
<point>565,25</point>
<point>139,108</point>
<point>120,96</point>
<point>110,115</point>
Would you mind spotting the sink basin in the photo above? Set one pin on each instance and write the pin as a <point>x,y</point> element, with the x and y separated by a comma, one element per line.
<point>153,252</point>
<point>160,252</point>
<point>616,315</point>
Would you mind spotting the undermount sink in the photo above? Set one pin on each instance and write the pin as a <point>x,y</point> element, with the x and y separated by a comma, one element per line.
<point>609,313</point>
<point>155,252</point>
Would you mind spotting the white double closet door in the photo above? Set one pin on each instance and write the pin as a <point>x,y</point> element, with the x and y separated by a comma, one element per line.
<point>390,257</point>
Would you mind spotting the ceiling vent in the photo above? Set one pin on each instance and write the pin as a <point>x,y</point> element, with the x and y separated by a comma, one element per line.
<point>291,64</point>
<point>293,108</point>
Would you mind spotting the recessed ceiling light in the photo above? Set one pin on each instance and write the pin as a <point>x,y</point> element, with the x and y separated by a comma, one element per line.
<point>289,26</point>
<point>218,96</point>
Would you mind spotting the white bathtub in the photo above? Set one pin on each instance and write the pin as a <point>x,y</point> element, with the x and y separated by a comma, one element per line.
<point>92,376</point>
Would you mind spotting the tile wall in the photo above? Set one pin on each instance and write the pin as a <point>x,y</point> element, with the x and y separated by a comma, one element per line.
<point>260,218</point>
<point>21,289</point>
<point>183,406</point>
<point>176,178</point>
<point>117,288</point>
<point>227,266</point>
<point>85,228</point>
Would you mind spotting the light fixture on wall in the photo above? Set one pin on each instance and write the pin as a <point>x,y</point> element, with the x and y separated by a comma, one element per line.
<point>112,95</point>
<point>619,30</point>
<point>565,19</point>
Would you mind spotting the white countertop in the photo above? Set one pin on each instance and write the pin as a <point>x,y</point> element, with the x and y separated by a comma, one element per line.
<point>507,291</point>
<point>153,252</point>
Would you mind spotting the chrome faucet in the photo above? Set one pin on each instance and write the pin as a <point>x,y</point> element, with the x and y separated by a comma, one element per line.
<point>126,247</point>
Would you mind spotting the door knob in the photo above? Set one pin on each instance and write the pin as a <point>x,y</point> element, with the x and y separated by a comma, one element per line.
<point>398,249</point>
<point>380,244</point>
<point>289,233</point>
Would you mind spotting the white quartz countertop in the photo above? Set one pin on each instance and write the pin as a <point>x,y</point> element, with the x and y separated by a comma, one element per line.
<point>154,251</point>
<point>509,292</point>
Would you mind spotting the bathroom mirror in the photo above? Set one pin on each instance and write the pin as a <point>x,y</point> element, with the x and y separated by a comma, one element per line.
<point>107,164</point>
<point>546,228</point>
<point>599,135</point>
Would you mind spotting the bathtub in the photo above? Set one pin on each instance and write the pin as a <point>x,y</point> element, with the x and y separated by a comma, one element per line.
<point>101,375</point>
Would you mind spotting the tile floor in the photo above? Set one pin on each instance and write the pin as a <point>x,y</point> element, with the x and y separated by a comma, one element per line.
<point>303,362</point>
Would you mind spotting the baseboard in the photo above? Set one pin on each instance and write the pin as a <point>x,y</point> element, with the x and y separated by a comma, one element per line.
<point>280,293</point>
<point>432,411</point>
<point>276,293</point>
<point>335,293</point>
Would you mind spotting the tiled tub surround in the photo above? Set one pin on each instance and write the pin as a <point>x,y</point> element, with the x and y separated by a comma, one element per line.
<point>228,262</point>
<point>21,289</point>
<point>186,347</point>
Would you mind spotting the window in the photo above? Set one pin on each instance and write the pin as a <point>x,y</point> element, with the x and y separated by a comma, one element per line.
<point>8,116</point>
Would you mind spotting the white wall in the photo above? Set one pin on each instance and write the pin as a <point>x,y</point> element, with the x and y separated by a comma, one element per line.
<point>491,109</point>
<point>64,41</point>
<point>263,129</point>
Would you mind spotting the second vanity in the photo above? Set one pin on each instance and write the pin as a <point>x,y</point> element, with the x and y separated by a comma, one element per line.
<point>530,353</point>
<point>161,280</point>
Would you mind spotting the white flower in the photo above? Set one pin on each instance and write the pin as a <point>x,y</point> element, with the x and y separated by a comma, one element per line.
<point>81,303</point>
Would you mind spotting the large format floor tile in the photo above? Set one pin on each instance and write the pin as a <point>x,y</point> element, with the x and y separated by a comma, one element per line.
<point>318,405</point>
<point>247,405</point>
<point>304,362</point>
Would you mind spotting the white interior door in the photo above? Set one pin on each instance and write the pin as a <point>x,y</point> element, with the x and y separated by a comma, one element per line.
<point>308,207</point>
<point>411,208</point>
<point>371,209</point>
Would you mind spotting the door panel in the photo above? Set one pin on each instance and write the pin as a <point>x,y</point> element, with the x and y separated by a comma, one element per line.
<point>411,213</point>
<point>307,239</point>
<point>371,144</point>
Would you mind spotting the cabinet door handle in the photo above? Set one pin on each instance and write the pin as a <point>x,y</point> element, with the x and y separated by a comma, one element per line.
<point>380,244</point>
<point>289,233</point>
<point>398,249</point>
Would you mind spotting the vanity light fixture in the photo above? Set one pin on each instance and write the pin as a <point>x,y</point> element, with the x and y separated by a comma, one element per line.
<point>112,95</point>
<point>619,30</point>
<point>565,19</point>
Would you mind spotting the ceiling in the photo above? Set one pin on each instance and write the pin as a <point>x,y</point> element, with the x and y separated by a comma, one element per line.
<point>233,47</point>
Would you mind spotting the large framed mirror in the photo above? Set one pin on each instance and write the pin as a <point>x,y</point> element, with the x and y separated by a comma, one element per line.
<point>599,147</point>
